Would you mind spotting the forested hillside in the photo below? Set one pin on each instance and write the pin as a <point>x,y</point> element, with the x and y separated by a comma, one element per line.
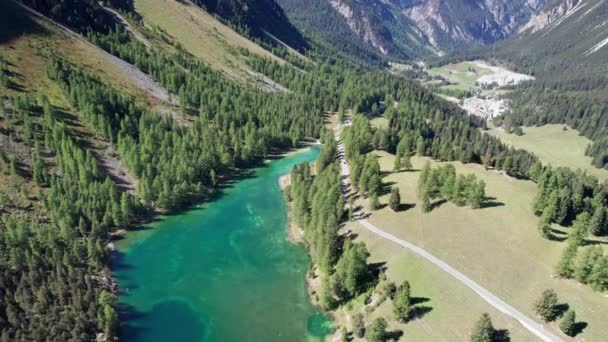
<point>87,152</point>
<point>318,20</point>
<point>565,48</point>
<point>61,287</point>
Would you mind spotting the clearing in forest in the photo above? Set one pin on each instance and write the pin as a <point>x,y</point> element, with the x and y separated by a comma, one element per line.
<point>554,144</point>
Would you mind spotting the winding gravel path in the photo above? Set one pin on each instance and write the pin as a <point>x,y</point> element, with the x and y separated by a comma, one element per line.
<point>533,326</point>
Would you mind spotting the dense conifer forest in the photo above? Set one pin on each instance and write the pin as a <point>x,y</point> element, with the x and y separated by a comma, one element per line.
<point>55,281</point>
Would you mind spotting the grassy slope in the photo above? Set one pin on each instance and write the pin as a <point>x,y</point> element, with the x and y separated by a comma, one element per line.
<point>499,246</point>
<point>446,297</point>
<point>554,146</point>
<point>28,54</point>
<point>200,34</point>
<point>454,307</point>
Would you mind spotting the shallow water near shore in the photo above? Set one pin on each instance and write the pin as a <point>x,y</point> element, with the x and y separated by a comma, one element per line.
<point>223,271</point>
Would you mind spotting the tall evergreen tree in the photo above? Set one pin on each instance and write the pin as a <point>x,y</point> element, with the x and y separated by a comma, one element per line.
<point>394,201</point>
<point>484,330</point>
<point>402,302</point>
<point>376,332</point>
<point>546,306</point>
<point>568,323</point>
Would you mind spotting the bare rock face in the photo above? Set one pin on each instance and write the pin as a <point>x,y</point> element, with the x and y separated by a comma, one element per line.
<point>413,27</point>
<point>551,15</point>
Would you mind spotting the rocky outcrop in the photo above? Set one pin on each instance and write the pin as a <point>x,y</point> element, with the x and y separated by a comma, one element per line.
<point>552,15</point>
<point>394,26</point>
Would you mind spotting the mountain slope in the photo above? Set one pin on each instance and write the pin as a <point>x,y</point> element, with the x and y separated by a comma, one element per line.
<point>419,28</point>
<point>566,47</point>
<point>257,17</point>
<point>566,36</point>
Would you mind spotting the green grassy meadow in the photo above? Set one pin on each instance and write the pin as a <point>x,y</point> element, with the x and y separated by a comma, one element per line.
<point>200,33</point>
<point>497,246</point>
<point>554,145</point>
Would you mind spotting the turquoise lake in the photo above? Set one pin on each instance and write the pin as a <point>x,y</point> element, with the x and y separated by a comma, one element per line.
<point>223,271</point>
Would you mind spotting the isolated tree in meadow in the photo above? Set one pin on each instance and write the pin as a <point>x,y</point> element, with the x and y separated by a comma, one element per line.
<point>402,302</point>
<point>394,201</point>
<point>568,323</point>
<point>358,325</point>
<point>484,330</point>
<point>546,306</point>
<point>376,332</point>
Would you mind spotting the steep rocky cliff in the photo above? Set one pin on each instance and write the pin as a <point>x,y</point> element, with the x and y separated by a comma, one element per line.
<point>417,28</point>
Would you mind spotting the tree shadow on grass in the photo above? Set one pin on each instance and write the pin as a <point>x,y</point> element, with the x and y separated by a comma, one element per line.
<point>556,235</point>
<point>491,204</point>
<point>438,204</point>
<point>579,327</point>
<point>405,206</point>
<point>386,188</point>
<point>419,300</point>
<point>394,335</point>
<point>590,242</point>
<point>419,312</point>
<point>561,309</point>
<point>502,335</point>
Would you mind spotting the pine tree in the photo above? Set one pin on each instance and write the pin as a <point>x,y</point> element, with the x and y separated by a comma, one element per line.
<point>402,305</point>
<point>420,147</point>
<point>546,306</point>
<point>426,202</point>
<point>126,208</point>
<point>394,201</point>
<point>376,332</point>
<point>565,266</point>
<point>544,226</point>
<point>424,175</point>
<point>397,164</point>
<point>598,279</point>
<point>484,330</point>
<point>597,223</point>
<point>568,323</point>
<point>374,204</point>
<point>585,263</point>
<point>477,195</point>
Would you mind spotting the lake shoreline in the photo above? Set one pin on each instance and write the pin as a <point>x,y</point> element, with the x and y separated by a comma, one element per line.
<point>295,235</point>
